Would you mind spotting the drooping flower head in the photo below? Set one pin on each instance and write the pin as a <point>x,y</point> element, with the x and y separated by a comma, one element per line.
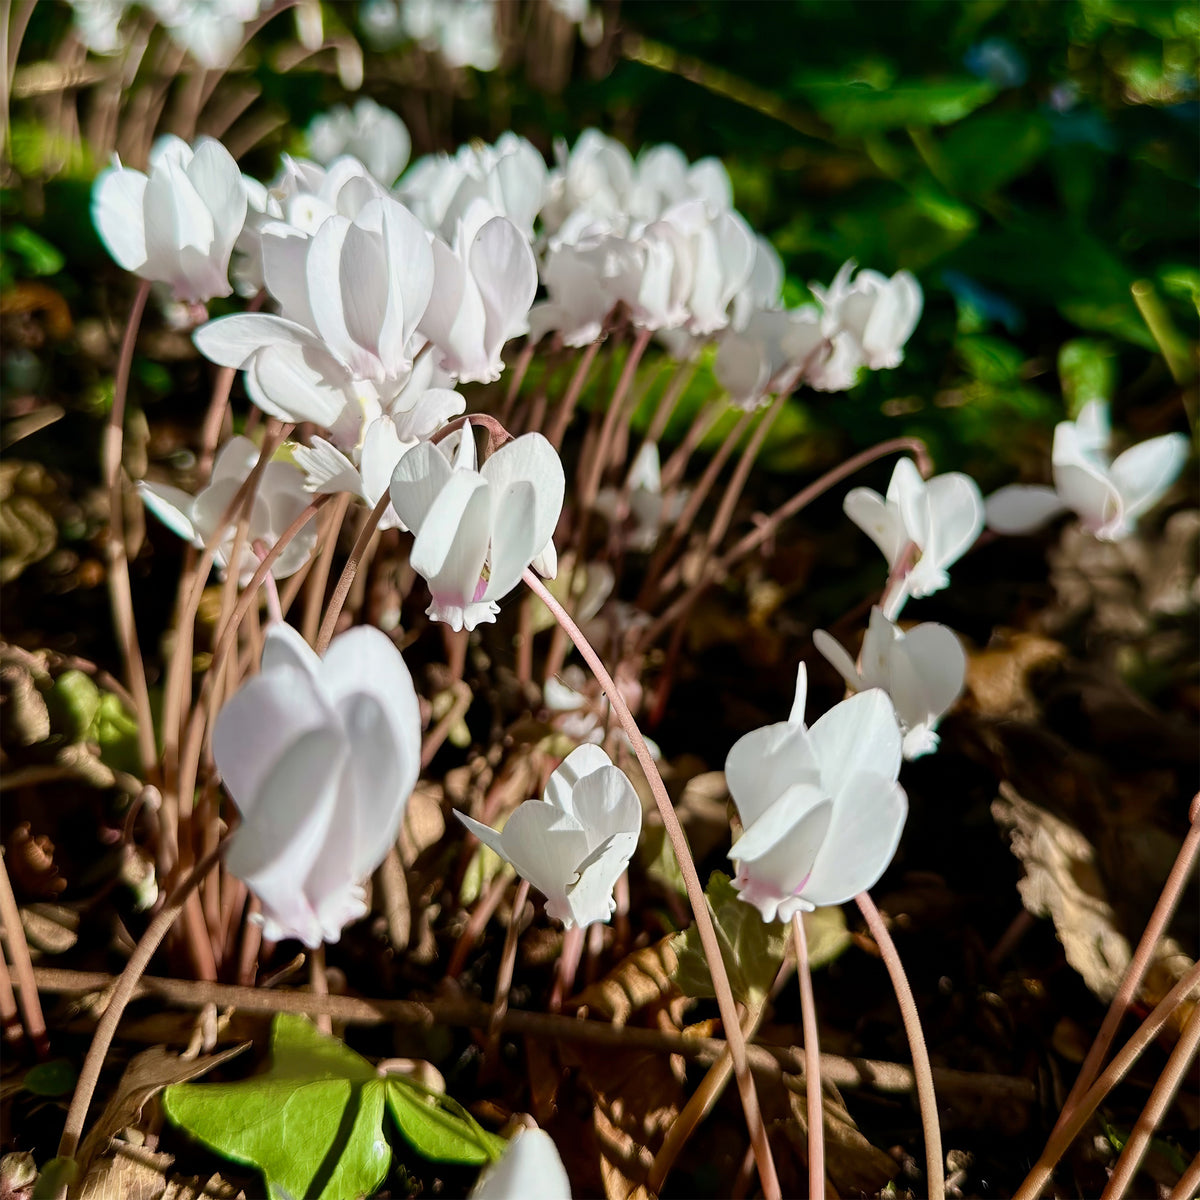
<point>1107,496</point>
<point>941,517</point>
<point>821,810</point>
<point>923,671</point>
<point>477,530</point>
<point>278,501</point>
<point>176,225</point>
<point>575,843</point>
<point>320,755</point>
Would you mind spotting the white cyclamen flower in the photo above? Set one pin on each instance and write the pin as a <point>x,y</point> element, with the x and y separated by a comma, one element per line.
<point>821,810</point>
<point>320,756</point>
<point>477,530</point>
<point>482,293</point>
<point>529,1169</point>
<point>575,843</point>
<point>178,224</point>
<point>350,296</point>
<point>1107,496</point>
<point>923,671</point>
<point>941,517</point>
<point>868,322</point>
<point>279,500</point>
<point>370,132</point>
<point>647,506</point>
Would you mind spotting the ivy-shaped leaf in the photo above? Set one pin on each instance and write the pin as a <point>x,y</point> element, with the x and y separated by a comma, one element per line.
<point>437,1127</point>
<point>312,1122</point>
<point>752,950</point>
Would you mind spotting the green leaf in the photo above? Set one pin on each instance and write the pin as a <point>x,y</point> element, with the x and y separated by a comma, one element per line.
<point>860,108</point>
<point>827,935</point>
<point>74,701</point>
<point>753,950</point>
<point>1087,370</point>
<point>37,255</point>
<point>990,359</point>
<point>434,1130</point>
<point>312,1122</point>
<point>989,149</point>
<point>115,730</point>
<point>54,1078</point>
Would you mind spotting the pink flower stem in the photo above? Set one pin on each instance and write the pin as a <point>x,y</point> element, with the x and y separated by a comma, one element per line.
<point>122,993</point>
<point>318,580</point>
<point>562,417</point>
<point>508,960</point>
<point>922,1074</point>
<point>566,968</point>
<point>348,572</point>
<point>1147,946</point>
<point>812,1064</point>
<point>708,414</point>
<point>119,587</point>
<point>319,985</point>
<point>1160,1100</point>
<point>1189,1182</point>
<point>22,963</point>
<point>770,525</point>
<point>741,473</point>
<point>695,891</point>
<point>1061,1139</point>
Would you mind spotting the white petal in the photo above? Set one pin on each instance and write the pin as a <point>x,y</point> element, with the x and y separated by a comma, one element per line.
<point>1021,508</point>
<point>775,825</point>
<point>863,834</point>
<point>280,839</point>
<point>218,182</point>
<point>119,216</point>
<point>800,697</point>
<point>881,523</point>
<point>837,658</point>
<point>512,537</point>
<point>605,803</point>
<point>1144,472</point>
<point>529,1169</point>
<point>410,269</point>
<point>956,513</point>
<point>452,543</point>
<point>417,481</point>
<point>581,762</point>
<point>283,646</point>
<point>933,655</point>
<point>763,763</point>
<point>506,273</point>
<point>532,458</point>
<point>859,734</point>
<point>173,507</point>
<point>591,897</point>
<point>327,470</point>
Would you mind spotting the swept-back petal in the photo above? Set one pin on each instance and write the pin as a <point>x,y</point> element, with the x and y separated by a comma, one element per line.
<point>218,182</point>
<point>452,541</point>
<point>173,507</point>
<point>1022,508</point>
<point>775,825</point>
<point>513,525</point>
<point>765,762</point>
<point>837,657</point>
<point>531,457</point>
<point>417,481</point>
<point>934,656</point>
<point>1144,472</point>
<point>581,762</point>
<point>880,521</point>
<point>605,804</point>
<point>506,273</point>
<point>410,270</point>
<point>590,898</point>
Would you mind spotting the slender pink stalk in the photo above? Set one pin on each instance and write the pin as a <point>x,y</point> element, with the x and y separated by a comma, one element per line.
<point>768,528</point>
<point>318,580</point>
<point>707,415</point>
<point>1160,1100</point>
<point>119,587</point>
<point>10,1022</point>
<point>18,951</point>
<point>318,982</point>
<point>122,993</point>
<point>695,891</point>
<point>1138,964</point>
<point>741,473</point>
<point>926,1097</point>
<point>1116,1070</point>
<point>1189,1182</point>
<point>562,416</point>
<point>812,1064</point>
<point>508,960</point>
<point>348,572</point>
<point>566,968</point>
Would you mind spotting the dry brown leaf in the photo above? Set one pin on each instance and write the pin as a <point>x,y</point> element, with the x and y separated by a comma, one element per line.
<point>145,1076</point>
<point>424,824</point>
<point>998,676</point>
<point>129,1173</point>
<point>1062,882</point>
<point>852,1165</point>
<point>636,1097</point>
<point>214,1188</point>
<point>641,978</point>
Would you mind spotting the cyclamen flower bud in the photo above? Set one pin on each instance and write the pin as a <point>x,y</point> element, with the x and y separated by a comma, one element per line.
<point>320,756</point>
<point>529,1169</point>
<point>574,843</point>
<point>178,224</point>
